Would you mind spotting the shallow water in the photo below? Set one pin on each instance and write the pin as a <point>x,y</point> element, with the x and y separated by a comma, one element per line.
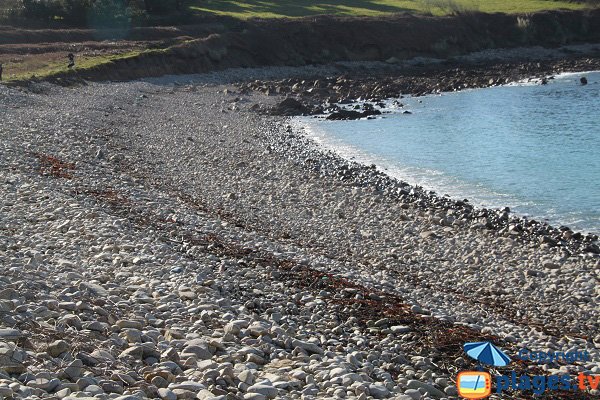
<point>532,147</point>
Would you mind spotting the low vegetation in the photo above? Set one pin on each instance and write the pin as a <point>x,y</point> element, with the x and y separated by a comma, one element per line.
<point>37,67</point>
<point>298,8</point>
<point>114,13</point>
<point>93,13</point>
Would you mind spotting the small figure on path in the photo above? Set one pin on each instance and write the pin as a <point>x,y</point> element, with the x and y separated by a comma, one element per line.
<point>583,80</point>
<point>71,57</point>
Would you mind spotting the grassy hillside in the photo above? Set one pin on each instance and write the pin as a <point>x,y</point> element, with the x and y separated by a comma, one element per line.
<point>298,8</point>
<point>246,9</point>
<point>31,53</point>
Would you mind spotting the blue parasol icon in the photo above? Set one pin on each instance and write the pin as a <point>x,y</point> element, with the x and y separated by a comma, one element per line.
<point>486,353</point>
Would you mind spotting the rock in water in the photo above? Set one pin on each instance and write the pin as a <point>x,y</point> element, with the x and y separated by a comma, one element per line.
<point>351,114</point>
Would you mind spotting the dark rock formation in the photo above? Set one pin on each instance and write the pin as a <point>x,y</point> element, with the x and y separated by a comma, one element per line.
<point>351,114</point>
<point>290,107</point>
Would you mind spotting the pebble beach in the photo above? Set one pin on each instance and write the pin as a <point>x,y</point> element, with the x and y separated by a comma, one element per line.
<point>162,239</point>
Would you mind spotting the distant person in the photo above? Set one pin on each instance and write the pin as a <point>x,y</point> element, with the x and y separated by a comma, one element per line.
<point>583,80</point>
<point>0,72</point>
<point>71,58</point>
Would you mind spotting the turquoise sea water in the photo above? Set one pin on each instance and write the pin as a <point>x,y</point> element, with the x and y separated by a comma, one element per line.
<point>532,147</point>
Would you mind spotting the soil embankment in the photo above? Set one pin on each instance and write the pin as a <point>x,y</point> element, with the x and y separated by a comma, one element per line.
<point>330,39</point>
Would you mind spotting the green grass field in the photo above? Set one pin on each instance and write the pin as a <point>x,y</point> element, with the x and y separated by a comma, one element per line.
<point>298,8</point>
<point>38,67</point>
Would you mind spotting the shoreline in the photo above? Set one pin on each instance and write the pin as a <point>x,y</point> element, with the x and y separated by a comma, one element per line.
<point>354,154</point>
<point>316,103</point>
<point>399,173</point>
<point>495,219</point>
<point>318,94</point>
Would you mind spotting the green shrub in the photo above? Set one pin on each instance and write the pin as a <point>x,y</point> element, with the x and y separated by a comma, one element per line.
<point>108,14</point>
<point>94,13</point>
<point>447,7</point>
<point>158,7</point>
<point>75,12</point>
<point>42,10</point>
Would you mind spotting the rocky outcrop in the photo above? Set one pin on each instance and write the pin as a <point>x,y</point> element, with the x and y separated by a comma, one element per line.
<point>381,84</point>
<point>291,107</point>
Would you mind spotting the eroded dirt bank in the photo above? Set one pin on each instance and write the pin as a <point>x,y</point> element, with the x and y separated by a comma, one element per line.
<point>329,39</point>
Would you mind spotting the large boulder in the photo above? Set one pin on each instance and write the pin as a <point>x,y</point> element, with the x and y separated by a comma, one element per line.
<point>291,107</point>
